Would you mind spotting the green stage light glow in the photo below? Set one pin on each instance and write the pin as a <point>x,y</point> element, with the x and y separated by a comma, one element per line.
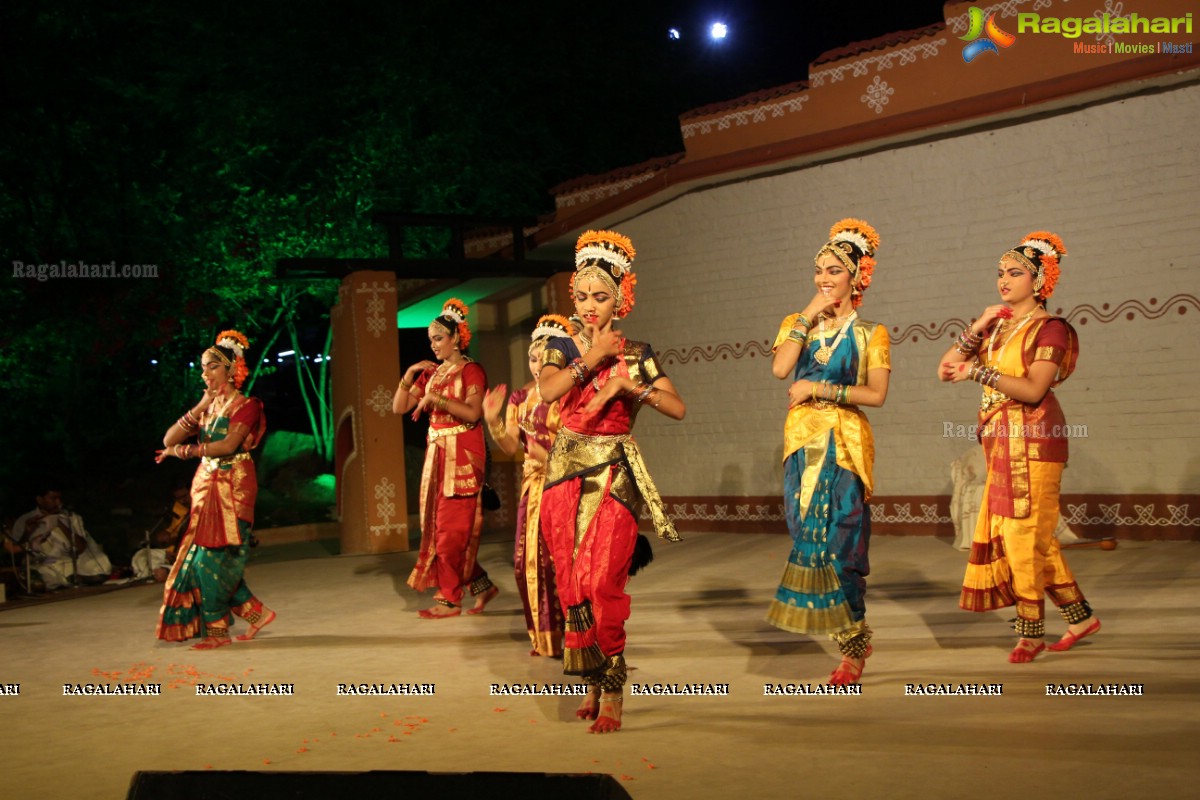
<point>422,312</point>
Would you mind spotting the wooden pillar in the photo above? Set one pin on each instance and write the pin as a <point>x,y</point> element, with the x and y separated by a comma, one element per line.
<point>369,439</point>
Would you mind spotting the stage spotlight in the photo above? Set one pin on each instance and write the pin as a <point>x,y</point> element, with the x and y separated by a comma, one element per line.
<point>718,30</point>
<point>673,33</point>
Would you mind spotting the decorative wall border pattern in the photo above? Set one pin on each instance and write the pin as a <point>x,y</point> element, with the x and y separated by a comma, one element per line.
<point>1179,302</point>
<point>711,352</point>
<point>603,190</point>
<point>933,331</point>
<point>695,512</point>
<point>1113,10</point>
<point>746,116</point>
<point>951,327</point>
<point>1148,517</point>
<point>860,66</point>
<point>1079,315</point>
<point>1143,515</point>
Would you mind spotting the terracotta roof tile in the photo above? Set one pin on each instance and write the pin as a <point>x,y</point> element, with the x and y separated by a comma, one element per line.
<point>751,99</point>
<point>652,165</point>
<point>878,43</point>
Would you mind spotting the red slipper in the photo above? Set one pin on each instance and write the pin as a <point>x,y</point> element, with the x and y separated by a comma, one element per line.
<point>1069,639</point>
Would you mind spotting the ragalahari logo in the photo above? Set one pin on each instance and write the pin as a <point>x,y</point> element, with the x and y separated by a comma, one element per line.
<point>984,36</point>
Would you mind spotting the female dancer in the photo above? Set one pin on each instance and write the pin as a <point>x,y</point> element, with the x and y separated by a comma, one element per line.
<point>1017,351</point>
<point>532,425</point>
<point>837,362</point>
<point>451,482</point>
<point>206,585</point>
<point>596,476</point>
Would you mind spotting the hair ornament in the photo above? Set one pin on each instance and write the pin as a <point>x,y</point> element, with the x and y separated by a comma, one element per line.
<point>550,326</point>
<point>608,256</point>
<point>853,242</point>
<point>237,342</point>
<point>455,311</point>
<point>1041,252</point>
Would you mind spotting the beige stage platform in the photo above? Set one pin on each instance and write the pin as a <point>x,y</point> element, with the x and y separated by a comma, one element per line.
<point>697,618</point>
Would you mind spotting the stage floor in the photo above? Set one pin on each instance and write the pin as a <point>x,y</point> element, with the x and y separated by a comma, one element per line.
<point>698,617</point>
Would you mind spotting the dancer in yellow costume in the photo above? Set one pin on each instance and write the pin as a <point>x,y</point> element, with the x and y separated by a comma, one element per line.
<point>1017,350</point>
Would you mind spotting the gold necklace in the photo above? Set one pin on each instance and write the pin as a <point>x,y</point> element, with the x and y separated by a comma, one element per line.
<point>1000,329</point>
<point>220,412</point>
<point>825,352</point>
<point>990,396</point>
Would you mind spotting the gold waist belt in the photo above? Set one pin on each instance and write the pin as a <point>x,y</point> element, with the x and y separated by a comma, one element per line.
<point>211,464</point>
<point>437,433</point>
<point>574,452</point>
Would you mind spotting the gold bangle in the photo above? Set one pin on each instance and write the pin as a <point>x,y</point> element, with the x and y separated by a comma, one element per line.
<point>499,429</point>
<point>405,385</point>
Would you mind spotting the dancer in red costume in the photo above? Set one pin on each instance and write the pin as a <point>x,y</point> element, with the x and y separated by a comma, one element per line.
<point>596,479</point>
<point>205,586</point>
<point>452,479</point>
<point>1017,350</point>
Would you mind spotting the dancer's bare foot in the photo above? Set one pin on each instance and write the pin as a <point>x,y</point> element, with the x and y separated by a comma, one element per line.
<point>609,720</point>
<point>217,637</point>
<point>1074,634</point>
<point>847,672</point>
<point>265,618</point>
<point>1026,650</point>
<point>444,608</point>
<point>482,600</point>
<point>850,670</point>
<point>590,707</point>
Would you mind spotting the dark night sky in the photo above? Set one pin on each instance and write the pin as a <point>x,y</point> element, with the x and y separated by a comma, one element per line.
<point>620,53</point>
<point>771,43</point>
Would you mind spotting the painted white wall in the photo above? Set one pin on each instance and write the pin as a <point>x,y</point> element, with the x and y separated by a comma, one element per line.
<point>1118,181</point>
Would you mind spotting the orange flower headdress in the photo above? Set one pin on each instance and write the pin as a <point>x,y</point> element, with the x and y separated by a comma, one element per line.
<point>1041,252</point>
<point>236,343</point>
<point>853,242</point>
<point>608,256</point>
<point>454,320</point>
<point>549,326</point>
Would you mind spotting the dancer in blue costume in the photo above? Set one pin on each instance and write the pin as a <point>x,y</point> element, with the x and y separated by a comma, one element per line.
<point>836,362</point>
